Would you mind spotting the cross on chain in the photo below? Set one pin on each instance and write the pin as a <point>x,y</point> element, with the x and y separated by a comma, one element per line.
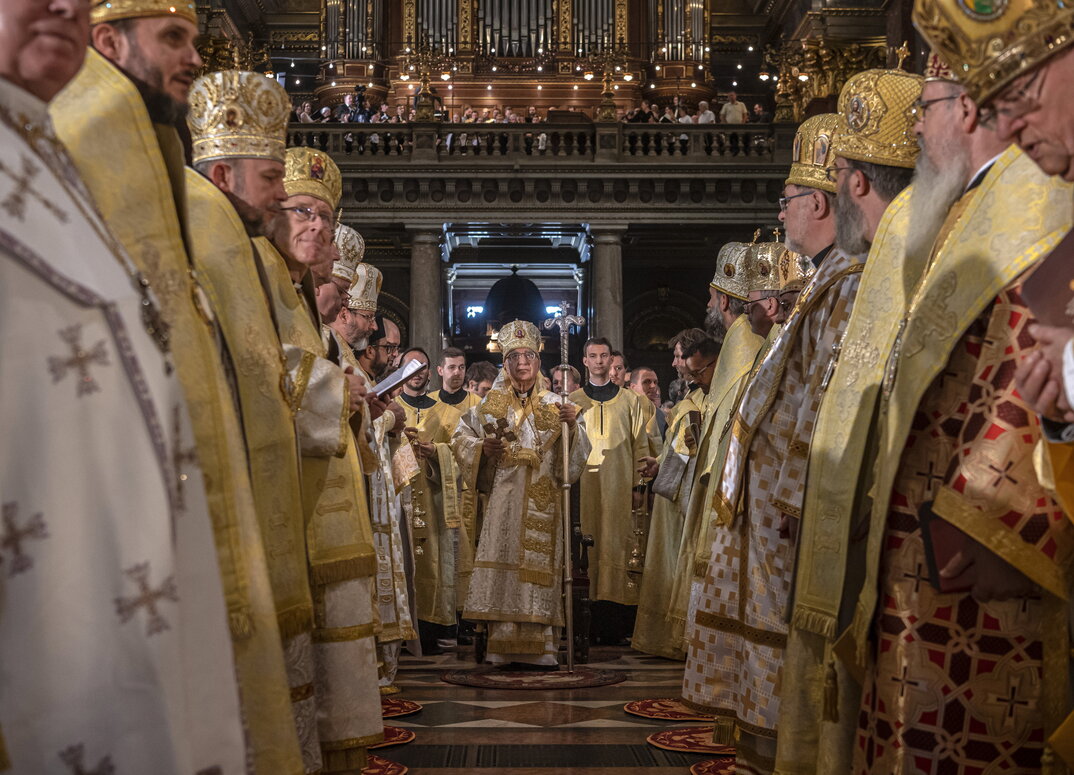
<point>1003,473</point>
<point>930,474</point>
<point>147,598</point>
<point>903,681</point>
<point>15,202</point>
<point>181,458</point>
<point>1010,701</point>
<point>79,360</point>
<point>73,755</point>
<point>14,536</point>
<point>501,430</point>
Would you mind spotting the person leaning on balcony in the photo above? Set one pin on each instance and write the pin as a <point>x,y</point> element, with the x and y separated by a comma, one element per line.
<point>733,111</point>
<point>704,115</point>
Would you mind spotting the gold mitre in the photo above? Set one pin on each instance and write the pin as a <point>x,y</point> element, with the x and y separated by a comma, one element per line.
<point>793,270</point>
<point>238,115</point>
<point>366,288</point>
<point>313,173</point>
<point>812,153</point>
<point>936,69</point>
<point>730,277</point>
<point>761,259</point>
<point>518,334</point>
<point>351,249</point>
<point>104,11</point>
<point>878,122</point>
<point>989,43</point>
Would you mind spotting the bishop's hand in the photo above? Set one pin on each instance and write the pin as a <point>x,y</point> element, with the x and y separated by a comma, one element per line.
<point>492,448</point>
<point>355,388</point>
<point>992,577</point>
<point>568,413</point>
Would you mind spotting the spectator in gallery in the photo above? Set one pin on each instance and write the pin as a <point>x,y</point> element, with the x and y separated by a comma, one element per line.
<point>733,111</point>
<point>303,113</point>
<point>326,115</point>
<point>760,115</point>
<point>704,115</point>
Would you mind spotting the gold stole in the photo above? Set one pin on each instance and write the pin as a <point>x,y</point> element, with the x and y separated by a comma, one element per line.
<point>339,533</point>
<point>845,418</point>
<point>764,384</point>
<point>102,119</point>
<point>223,255</point>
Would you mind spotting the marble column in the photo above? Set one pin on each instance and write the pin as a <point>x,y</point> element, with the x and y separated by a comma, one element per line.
<point>607,279</point>
<point>426,292</point>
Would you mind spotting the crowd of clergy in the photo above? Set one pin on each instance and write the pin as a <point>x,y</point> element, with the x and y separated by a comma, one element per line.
<point>219,531</point>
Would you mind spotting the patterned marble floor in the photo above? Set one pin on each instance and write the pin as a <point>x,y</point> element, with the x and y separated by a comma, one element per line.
<point>540,732</point>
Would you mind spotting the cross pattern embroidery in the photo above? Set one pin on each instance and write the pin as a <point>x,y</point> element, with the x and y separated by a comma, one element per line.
<point>15,202</point>
<point>80,361</point>
<point>14,536</point>
<point>73,757</point>
<point>1002,473</point>
<point>905,682</point>
<point>147,598</point>
<point>1011,701</point>
<point>930,475</point>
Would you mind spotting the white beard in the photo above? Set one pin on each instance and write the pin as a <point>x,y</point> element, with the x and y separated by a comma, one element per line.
<point>936,189</point>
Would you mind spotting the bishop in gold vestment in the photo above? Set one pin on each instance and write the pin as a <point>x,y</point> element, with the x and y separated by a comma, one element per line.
<point>132,163</point>
<point>516,587</point>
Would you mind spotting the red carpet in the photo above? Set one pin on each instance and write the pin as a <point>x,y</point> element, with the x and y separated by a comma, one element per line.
<point>379,766</point>
<point>714,767</point>
<point>666,709</point>
<point>395,736</point>
<point>390,707</point>
<point>689,740</point>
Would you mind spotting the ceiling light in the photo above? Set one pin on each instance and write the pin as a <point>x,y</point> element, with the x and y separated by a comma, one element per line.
<point>494,68</point>
<point>739,66</point>
<point>658,68</point>
<point>489,87</point>
<point>588,75</point>
<point>538,87</point>
<point>693,84</point>
<point>539,69</point>
<point>616,86</point>
<point>576,87</point>
<point>748,48</point>
<point>333,83</point>
<point>734,83</point>
<point>628,76</point>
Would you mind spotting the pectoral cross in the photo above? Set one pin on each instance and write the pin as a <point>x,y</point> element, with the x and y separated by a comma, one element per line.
<point>564,320</point>
<point>73,755</point>
<point>14,536</point>
<point>147,598</point>
<point>15,202</point>
<point>79,360</point>
<point>501,430</point>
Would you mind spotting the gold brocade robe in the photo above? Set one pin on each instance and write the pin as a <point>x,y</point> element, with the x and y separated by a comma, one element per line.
<point>430,501</point>
<point>982,682</point>
<point>651,632</point>
<point>737,358</point>
<point>135,171</point>
<point>617,437</point>
<point>516,587</point>
<point>343,714</point>
<point>739,632</point>
<point>816,687</point>
<point>467,498</point>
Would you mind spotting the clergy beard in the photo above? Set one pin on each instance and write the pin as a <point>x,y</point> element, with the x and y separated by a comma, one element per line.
<point>250,216</point>
<point>849,225</point>
<point>162,109</point>
<point>714,325</point>
<point>360,345</point>
<point>936,188</point>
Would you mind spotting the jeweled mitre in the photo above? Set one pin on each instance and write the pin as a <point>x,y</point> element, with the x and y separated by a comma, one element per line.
<point>236,114</point>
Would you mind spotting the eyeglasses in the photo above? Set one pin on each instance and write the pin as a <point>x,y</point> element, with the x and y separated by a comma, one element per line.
<point>699,372</point>
<point>757,301</point>
<point>526,355</point>
<point>1019,103</point>
<point>307,214</point>
<point>369,316</point>
<point>783,200</point>
<point>388,348</point>
<point>920,107</point>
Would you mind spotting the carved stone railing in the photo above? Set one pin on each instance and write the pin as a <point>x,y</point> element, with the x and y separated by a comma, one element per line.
<point>598,173</point>
<point>609,143</point>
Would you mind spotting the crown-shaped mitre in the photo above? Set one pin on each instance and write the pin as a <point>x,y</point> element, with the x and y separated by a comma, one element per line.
<point>812,155</point>
<point>312,173</point>
<point>761,259</point>
<point>238,115</point>
<point>878,118</point>
<point>989,43</point>
<point>518,334</point>
<point>730,276</point>
<point>936,69</point>
<point>366,288</point>
<point>104,11</point>
<point>794,271</point>
<point>351,248</point>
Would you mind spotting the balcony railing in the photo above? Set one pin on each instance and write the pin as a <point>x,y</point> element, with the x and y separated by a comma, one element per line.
<point>537,143</point>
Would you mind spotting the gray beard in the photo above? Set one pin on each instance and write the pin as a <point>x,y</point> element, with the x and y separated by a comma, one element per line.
<point>936,189</point>
<point>359,345</point>
<point>849,226</point>
<point>714,325</point>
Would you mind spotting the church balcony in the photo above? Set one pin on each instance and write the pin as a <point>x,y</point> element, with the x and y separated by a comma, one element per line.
<point>596,172</point>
